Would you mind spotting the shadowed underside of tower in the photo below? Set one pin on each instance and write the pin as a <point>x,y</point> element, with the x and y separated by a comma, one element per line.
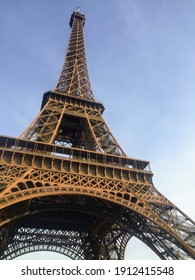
<point>67,186</point>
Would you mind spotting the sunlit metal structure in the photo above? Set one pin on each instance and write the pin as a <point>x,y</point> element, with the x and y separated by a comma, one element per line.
<point>67,186</point>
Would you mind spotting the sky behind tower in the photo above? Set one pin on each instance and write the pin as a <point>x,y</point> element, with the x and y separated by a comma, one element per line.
<point>141,62</point>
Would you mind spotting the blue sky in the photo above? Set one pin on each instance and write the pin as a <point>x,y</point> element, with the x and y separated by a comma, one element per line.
<point>141,61</point>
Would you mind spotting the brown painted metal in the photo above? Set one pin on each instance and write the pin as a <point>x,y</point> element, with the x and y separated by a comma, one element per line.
<point>67,186</point>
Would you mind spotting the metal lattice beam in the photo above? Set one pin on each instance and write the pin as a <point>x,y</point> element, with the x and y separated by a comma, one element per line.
<point>67,186</point>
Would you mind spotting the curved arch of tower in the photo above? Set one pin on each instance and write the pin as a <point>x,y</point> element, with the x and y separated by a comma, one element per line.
<point>67,186</point>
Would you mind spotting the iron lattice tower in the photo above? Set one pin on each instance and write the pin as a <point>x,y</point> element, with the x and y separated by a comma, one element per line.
<point>67,186</point>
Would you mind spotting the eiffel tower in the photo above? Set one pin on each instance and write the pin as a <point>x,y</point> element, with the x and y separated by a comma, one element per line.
<point>67,186</point>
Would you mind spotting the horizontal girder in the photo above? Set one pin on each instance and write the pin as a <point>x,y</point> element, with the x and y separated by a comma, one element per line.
<point>26,175</point>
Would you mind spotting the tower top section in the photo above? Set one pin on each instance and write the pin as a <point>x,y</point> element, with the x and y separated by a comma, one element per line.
<point>74,79</point>
<point>78,16</point>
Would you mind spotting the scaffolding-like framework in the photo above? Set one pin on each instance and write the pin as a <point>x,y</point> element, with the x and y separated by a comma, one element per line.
<point>67,186</point>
